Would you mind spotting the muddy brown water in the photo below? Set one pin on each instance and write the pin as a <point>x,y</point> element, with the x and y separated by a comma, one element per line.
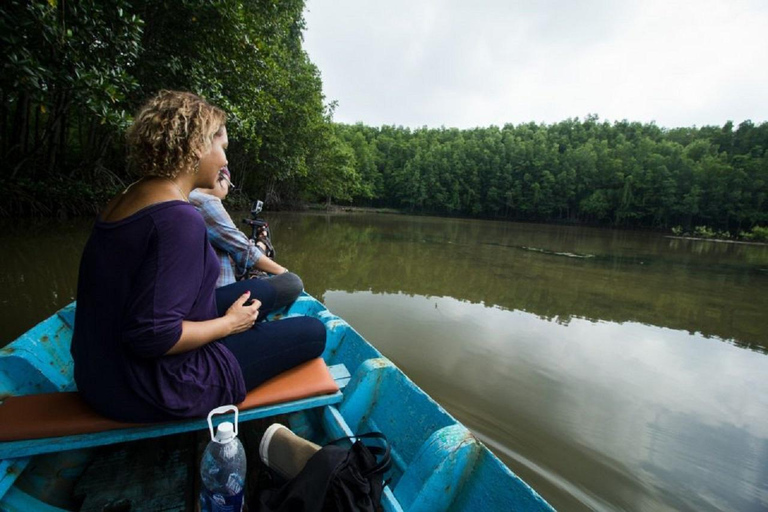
<point>611,370</point>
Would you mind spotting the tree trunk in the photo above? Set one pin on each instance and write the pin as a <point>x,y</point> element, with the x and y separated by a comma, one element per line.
<point>97,163</point>
<point>63,139</point>
<point>18,128</point>
<point>4,125</point>
<point>36,129</point>
<point>53,144</point>
<point>58,118</point>
<point>80,142</point>
<point>91,142</point>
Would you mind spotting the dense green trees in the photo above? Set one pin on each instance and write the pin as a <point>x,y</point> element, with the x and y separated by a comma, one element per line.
<point>74,72</point>
<point>625,174</point>
<point>64,85</point>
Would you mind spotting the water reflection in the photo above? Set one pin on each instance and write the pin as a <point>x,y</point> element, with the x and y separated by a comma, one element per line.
<point>39,271</point>
<point>605,367</point>
<point>614,415</point>
<point>632,277</point>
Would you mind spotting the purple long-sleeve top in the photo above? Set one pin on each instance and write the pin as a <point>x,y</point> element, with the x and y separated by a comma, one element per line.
<point>140,277</point>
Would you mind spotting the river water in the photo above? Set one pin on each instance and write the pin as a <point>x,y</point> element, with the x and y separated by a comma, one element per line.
<point>611,370</point>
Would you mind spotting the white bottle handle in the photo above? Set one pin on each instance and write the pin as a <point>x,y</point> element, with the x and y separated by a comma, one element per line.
<point>221,410</point>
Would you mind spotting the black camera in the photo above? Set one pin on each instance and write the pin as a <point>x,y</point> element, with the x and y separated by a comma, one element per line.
<point>260,231</point>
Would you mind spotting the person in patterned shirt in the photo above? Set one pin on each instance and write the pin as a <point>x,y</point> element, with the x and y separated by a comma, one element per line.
<point>237,253</point>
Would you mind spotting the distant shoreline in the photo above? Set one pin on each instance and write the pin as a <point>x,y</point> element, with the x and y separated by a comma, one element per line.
<point>367,209</point>
<point>243,206</point>
<point>352,209</point>
<point>721,240</point>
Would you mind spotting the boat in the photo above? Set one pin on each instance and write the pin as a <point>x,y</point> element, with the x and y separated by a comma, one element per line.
<point>438,464</point>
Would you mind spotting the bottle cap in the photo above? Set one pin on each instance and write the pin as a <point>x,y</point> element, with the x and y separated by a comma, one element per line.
<point>225,432</point>
<point>221,410</point>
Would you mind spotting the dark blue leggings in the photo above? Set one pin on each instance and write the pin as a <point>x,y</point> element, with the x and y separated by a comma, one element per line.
<point>270,348</point>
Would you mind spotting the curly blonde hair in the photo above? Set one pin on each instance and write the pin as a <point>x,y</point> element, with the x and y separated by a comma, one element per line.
<point>171,132</point>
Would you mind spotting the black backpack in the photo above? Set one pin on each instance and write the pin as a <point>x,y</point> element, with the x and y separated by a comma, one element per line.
<point>334,479</point>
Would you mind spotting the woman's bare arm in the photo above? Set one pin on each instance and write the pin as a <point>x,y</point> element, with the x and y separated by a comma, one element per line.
<point>238,318</point>
<point>268,265</point>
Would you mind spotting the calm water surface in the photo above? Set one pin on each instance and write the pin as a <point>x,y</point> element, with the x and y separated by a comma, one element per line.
<point>611,370</point>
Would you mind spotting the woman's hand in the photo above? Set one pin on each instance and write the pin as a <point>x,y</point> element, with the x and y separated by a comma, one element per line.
<point>240,316</point>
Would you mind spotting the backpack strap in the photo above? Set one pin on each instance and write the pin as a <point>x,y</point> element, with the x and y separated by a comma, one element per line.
<point>382,454</point>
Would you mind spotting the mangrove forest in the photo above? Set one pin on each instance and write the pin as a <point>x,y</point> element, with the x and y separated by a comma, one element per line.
<point>74,72</point>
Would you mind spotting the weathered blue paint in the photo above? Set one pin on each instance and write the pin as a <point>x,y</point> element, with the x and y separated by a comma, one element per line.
<point>335,427</point>
<point>437,459</point>
<point>10,470</point>
<point>67,315</point>
<point>39,360</point>
<point>438,463</point>
<point>14,449</point>
<point>434,478</point>
<point>340,374</point>
<point>46,476</point>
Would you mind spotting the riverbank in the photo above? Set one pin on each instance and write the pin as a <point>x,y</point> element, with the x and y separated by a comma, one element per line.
<point>57,198</point>
<point>718,240</point>
<point>63,198</point>
<point>363,209</point>
<point>351,209</point>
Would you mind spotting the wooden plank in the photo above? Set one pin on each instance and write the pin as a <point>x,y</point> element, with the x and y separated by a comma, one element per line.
<point>15,449</point>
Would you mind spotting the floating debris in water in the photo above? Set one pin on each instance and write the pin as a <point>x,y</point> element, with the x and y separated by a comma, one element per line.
<point>554,253</point>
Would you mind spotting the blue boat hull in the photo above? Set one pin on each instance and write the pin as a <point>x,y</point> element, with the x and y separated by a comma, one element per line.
<point>438,463</point>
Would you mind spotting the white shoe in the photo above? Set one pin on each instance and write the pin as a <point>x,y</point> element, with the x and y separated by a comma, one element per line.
<point>284,452</point>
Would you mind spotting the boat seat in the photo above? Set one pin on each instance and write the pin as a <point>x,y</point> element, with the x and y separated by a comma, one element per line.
<point>53,422</point>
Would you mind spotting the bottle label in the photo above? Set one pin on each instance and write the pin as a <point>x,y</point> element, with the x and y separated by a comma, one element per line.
<point>216,502</point>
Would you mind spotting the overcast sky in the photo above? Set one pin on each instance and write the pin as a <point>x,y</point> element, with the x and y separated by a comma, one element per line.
<point>463,64</point>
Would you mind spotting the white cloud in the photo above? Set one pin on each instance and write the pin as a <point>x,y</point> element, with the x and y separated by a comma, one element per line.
<point>465,64</point>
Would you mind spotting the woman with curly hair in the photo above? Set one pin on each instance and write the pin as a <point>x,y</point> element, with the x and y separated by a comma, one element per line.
<point>154,339</point>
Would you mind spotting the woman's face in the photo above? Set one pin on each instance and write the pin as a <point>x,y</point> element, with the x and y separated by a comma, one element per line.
<point>213,161</point>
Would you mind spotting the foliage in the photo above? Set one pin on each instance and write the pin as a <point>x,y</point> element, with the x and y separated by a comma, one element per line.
<point>624,174</point>
<point>703,232</point>
<point>247,58</point>
<point>333,172</point>
<point>757,234</point>
<point>65,81</point>
<point>73,71</point>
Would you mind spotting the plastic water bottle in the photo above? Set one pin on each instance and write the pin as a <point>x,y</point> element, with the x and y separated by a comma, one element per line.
<point>223,467</point>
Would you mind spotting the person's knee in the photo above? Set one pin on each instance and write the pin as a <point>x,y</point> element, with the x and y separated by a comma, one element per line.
<point>294,284</point>
<point>315,332</point>
<point>288,287</point>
